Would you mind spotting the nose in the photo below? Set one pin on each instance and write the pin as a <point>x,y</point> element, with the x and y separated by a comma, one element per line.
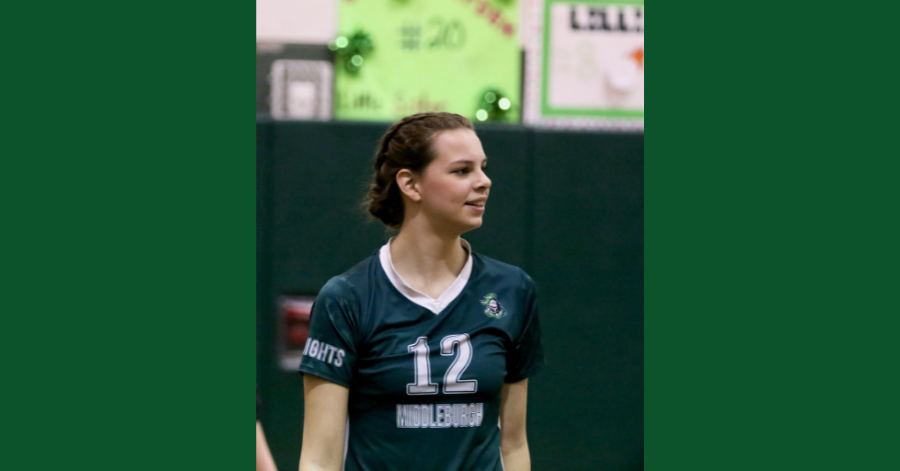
<point>484,183</point>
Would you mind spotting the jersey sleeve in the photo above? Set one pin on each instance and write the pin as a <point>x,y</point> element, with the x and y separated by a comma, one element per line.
<point>526,357</point>
<point>330,350</point>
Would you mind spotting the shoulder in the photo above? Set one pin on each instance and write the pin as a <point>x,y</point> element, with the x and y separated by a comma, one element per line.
<point>349,285</point>
<point>509,273</point>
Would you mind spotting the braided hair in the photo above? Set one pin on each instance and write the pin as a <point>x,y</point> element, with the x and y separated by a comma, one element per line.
<point>405,145</point>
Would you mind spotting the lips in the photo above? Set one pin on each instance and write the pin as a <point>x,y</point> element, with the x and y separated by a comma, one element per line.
<point>477,205</point>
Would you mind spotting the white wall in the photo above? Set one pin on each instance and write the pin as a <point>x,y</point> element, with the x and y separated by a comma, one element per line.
<point>315,21</point>
<point>296,21</point>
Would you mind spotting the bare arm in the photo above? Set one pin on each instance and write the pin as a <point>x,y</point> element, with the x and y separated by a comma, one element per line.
<point>513,440</point>
<point>324,424</point>
<point>264,461</point>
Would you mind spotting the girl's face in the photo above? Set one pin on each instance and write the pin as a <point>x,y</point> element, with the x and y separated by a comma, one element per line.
<point>454,187</point>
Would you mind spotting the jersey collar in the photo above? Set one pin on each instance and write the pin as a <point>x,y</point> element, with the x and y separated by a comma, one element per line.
<point>433,305</point>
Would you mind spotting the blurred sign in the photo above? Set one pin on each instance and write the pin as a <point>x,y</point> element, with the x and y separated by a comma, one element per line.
<point>293,329</point>
<point>586,67</point>
<point>278,67</point>
<point>301,89</point>
<point>429,55</point>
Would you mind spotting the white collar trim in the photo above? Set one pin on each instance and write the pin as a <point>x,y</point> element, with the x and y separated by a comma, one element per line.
<point>433,305</point>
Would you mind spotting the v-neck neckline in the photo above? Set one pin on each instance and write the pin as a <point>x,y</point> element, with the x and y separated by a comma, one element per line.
<point>435,305</point>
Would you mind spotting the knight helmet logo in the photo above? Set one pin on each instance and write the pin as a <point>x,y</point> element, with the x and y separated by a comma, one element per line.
<point>494,309</point>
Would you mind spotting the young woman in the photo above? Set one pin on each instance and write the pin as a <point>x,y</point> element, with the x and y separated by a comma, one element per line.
<point>418,357</point>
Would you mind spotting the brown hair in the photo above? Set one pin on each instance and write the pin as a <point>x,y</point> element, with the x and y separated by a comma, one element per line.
<point>406,144</point>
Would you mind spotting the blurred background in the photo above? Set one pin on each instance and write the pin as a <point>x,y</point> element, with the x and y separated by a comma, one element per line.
<point>556,92</point>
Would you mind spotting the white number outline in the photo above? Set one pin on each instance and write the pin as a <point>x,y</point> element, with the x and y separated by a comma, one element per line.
<point>452,383</point>
<point>422,385</point>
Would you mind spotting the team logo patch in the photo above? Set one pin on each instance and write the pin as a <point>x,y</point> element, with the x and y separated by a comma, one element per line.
<point>494,309</point>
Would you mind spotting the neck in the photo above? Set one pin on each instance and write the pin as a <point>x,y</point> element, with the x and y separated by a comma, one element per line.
<point>426,254</point>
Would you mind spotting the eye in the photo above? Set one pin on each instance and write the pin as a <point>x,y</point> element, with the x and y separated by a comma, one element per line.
<point>462,171</point>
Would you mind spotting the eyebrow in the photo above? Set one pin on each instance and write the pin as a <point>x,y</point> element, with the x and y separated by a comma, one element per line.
<point>465,162</point>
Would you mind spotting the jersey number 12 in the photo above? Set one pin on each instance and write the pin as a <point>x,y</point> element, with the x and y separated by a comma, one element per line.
<point>452,383</point>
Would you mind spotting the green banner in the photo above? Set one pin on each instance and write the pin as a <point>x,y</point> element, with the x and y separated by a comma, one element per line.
<point>429,55</point>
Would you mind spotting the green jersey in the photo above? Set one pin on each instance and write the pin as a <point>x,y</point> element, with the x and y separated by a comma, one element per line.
<point>424,374</point>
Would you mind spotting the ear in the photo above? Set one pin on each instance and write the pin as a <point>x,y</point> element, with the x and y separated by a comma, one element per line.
<point>408,182</point>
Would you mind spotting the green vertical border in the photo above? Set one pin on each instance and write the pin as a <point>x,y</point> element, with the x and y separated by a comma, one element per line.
<point>771,286</point>
<point>546,110</point>
<point>128,257</point>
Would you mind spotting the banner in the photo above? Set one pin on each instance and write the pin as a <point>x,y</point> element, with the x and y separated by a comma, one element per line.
<point>586,67</point>
<point>428,55</point>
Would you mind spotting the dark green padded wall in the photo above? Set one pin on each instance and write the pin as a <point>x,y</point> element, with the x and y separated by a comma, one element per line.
<point>588,263</point>
<point>263,275</point>
<point>567,207</point>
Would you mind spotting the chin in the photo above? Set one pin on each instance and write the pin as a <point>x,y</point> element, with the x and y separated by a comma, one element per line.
<point>459,223</point>
<point>472,224</point>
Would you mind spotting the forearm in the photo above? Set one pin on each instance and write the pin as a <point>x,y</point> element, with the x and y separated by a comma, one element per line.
<point>325,459</point>
<point>321,456</point>
<point>324,422</point>
<point>516,458</point>
<point>311,466</point>
<point>513,438</point>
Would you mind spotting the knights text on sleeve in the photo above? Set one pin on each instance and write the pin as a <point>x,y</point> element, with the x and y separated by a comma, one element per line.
<point>330,350</point>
